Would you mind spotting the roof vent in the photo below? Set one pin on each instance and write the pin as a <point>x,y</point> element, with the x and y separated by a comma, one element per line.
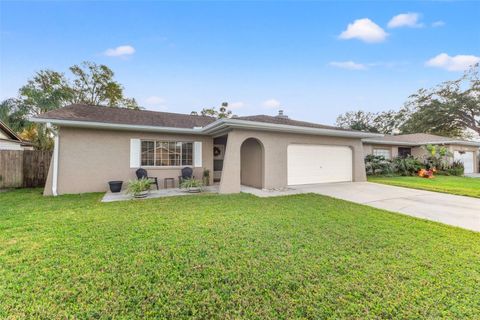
<point>281,115</point>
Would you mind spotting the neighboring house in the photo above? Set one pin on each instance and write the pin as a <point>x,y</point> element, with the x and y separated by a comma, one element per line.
<point>97,144</point>
<point>391,146</point>
<point>9,140</point>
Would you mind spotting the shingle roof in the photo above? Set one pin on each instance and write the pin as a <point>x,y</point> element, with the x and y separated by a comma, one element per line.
<point>288,121</point>
<point>416,138</point>
<point>82,112</point>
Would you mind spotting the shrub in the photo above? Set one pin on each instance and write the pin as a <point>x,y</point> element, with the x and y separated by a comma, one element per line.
<point>438,157</point>
<point>377,165</point>
<point>455,169</point>
<point>191,183</point>
<point>140,185</point>
<point>408,166</point>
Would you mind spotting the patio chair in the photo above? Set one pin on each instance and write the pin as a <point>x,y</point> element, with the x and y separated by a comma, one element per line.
<point>142,174</point>
<point>187,173</point>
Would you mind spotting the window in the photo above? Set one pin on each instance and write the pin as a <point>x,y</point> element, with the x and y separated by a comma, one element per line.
<point>404,152</point>
<point>382,152</point>
<point>166,153</point>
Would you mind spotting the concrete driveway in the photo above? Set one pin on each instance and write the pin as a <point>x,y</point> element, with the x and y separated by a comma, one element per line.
<point>454,210</point>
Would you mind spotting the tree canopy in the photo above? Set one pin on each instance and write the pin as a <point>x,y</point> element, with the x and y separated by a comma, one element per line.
<point>449,109</point>
<point>47,90</point>
<point>222,112</point>
<point>386,122</point>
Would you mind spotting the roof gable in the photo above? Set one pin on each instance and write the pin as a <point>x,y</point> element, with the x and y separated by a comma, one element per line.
<point>8,133</point>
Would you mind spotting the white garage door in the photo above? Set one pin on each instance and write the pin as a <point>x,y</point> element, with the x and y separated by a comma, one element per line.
<point>318,164</point>
<point>466,158</point>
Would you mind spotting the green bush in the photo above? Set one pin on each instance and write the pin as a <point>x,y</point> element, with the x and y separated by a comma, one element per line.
<point>455,169</point>
<point>378,165</point>
<point>191,183</point>
<point>140,185</point>
<point>438,157</point>
<point>408,166</point>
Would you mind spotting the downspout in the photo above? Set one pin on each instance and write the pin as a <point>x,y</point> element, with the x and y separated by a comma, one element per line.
<point>55,163</point>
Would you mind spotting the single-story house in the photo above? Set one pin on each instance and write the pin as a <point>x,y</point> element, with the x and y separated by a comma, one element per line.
<point>95,145</point>
<point>9,140</point>
<point>391,146</point>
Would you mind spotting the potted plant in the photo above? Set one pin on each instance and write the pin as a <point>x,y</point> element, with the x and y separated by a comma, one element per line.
<point>139,188</point>
<point>192,185</point>
<point>206,177</point>
<point>115,186</point>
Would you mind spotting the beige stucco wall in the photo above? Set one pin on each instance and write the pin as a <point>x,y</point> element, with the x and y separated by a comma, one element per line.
<point>251,171</point>
<point>88,159</point>
<point>275,156</point>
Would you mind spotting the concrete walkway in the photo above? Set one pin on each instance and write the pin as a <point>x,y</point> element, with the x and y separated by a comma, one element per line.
<point>454,210</point>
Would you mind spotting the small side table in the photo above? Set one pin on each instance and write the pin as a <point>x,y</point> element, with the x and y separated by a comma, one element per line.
<point>166,180</point>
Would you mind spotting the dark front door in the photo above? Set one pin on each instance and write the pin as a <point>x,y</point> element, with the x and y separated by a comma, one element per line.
<point>404,152</point>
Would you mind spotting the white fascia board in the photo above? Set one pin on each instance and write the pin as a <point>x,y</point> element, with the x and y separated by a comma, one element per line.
<point>115,126</point>
<point>263,126</point>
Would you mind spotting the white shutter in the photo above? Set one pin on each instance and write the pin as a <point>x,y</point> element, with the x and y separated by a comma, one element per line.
<point>135,153</point>
<point>197,154</point>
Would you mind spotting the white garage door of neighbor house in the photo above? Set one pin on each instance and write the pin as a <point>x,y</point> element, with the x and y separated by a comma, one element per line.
<point>466,158</point>
<point>308,164</point>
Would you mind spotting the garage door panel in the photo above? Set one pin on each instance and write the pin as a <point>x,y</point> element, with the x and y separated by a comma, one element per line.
<point>319,164</point>
<point>466,158</point>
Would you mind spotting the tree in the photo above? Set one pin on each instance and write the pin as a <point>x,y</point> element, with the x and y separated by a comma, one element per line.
<point>222,112</point>
<point>448,109</point>
<point>47,90</point>
<point>13,114</point>
<point>357,120</point>
<point>94,85</point>
<point>386,122</point>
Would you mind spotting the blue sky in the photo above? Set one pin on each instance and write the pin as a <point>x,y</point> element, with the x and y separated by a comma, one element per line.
<point>313,59</point>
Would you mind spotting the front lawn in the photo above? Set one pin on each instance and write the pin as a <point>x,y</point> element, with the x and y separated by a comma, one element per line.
<point>224,257</point>
<point>447,184</point>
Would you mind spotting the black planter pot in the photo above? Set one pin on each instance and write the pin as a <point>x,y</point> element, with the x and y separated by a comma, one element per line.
<point>115,186</point>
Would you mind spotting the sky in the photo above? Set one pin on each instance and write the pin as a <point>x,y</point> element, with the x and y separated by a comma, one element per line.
<point>314,59</point>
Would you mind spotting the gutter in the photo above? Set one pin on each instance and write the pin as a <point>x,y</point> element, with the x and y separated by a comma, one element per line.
<point>56,147</point>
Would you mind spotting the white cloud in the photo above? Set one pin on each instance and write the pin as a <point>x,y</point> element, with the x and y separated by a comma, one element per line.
<point>120,51</point>
<point>409,20</point>
<point>365,30</point>
<point>452,63</point>
<point>350,65</point>
<point>438,23</point>
<point>271,104</point>
<point>236,105</point>
<point>155,101</point>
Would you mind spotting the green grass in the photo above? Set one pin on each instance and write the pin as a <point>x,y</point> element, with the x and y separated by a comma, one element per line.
<point>447,184</point>
<point>225,257</point>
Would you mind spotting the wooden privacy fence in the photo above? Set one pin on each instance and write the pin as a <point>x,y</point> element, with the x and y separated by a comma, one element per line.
<point>27,168</point>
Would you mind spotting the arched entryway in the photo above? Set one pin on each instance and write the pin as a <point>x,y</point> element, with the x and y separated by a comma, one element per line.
<point>251,160</point>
